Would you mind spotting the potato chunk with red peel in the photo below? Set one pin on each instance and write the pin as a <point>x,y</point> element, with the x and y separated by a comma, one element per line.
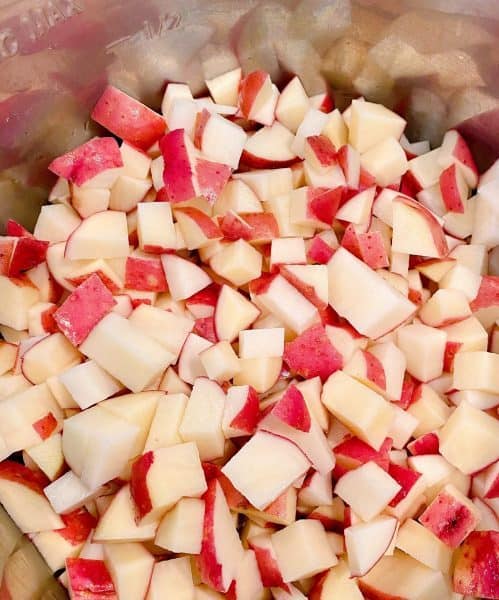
<point>83,309</point>
<point>221,550</point>
<point>311,354</point>
<point>267,564</point>
<point>416,230</point>
<point>477,565</point>
<point>367,542</point>
<point>95,158</point>
<point>89,580</point>
<point>279,462</point>
<point>292,410</point>
<point>161,477</point>
<point>128,118</point>
<point>21,493</point>
<point>451,516</point>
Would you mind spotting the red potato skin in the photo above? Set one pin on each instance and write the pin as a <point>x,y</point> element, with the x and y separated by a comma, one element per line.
<point>83,309</point>
<point>415,296</point>
<point>319,252</point>
<point>435,227</point>
<point>350,241</point>
<point>292,410</point>
<point>366,180</point>
<point>323,203</point>
<point>451,349</point>
<point>327,315</point>
<point>235,499</point>
<point>203,221</point>
<point>145,275</point>
<point>89,580</point>
<point>409,185</point>
<point>353,452</point>
<point>260,162</point>
<point>278,507</point>
<point>425,444</point>
<point>28,253</point>
<point>323,149</point>
<point>306,290</point>
<point>45,426</point>
<point>450,191</point>
<point>207,297</point>
<point>448,519</point>
<point>88,160</point>
<point>79,524</point>
<point>261,284</point>
<point>109,283</point>
<point>138,485</point>
<point>205,327</point>
<point>493,491</point>
<point>212,177</point>
<point>326,104</point>
<point>267,565</point>
<point>128,118</point>
<point>476,571</point>
<point>463,154</point>
<point>210,569</point>
<point>371,593</point>
<point>17,473</point>
<point>408,395</point>
<point>249,89</point>
<point>15,229</point>
<point>178,174</point>
<point>248,417</point>
<point>6,250</point>
<point>373,250</point>
<point>330,524</point>
<point>368,247</point>
<point>202,119</point>
<point>311,354</point>
<point>405,478</point>
<point>235,228</point>
<point>374,370</point>
<point>257,227</point>
<point>47,319</point>
<point>344,157</point>
<point>316,591</point>
<point>488,293</point>
<point>395,185</point>
<point>154,249</point>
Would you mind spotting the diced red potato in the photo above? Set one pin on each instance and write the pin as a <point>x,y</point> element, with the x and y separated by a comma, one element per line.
<point>95,164</point>
<point>319,152</point>
<point>89,578</point>
<point>322,317</point>
<point>269,147</point>
<point>259,228</point>
<point>220,140</point>
<point>83,309</point>
<point>26,254</point>
<point>315,207</point>
<point>178,174</point>
<point>128,118</point>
